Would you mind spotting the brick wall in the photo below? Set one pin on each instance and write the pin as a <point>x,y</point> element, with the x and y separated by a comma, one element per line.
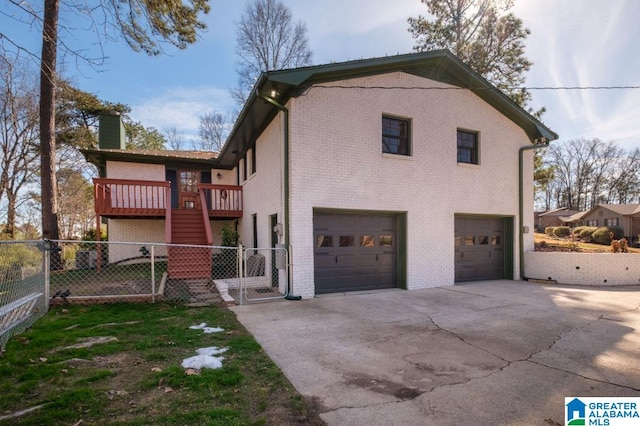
<point>606,269</point>
<point>337,163</point>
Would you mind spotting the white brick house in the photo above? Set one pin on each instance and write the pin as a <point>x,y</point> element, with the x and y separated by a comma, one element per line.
<point>391,172</point>
<point>361,218</point>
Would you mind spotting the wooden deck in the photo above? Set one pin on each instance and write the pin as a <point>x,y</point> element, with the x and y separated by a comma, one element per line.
<point>128,198</point>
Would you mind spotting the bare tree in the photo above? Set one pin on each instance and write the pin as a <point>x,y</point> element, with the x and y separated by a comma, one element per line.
<point>18,133</point>
<point>212,131</point>
<point>174,137</point>
<point>267,39</point>
<point>143,25</point>
<point>588,172</point>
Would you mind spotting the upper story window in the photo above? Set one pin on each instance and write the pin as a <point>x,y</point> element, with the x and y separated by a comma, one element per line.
<point>396,136</point>
<point>467,147</point>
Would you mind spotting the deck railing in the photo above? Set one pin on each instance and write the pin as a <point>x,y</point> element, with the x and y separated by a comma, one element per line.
<point>223,200</point>
<point>126,197</point>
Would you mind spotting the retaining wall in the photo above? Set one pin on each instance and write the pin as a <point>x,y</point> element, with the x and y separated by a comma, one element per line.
<point>608,269</point>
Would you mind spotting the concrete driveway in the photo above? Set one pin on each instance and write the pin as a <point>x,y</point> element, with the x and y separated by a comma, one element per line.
<point>498,352</point>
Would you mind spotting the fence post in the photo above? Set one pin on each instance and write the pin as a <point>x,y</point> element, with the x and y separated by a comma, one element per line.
<point>46,265</point>
<point>240,273</point>
<point>153,274</point>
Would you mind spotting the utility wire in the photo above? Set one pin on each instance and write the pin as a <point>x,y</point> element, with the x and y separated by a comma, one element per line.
<point>480,88</point>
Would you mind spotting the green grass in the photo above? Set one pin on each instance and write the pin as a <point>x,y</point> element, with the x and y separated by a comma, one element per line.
<point>108,273</point>
<point>138,378</point>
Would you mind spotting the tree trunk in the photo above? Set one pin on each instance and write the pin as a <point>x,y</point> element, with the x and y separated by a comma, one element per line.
<point>48,125</point>
<point>47,119</point>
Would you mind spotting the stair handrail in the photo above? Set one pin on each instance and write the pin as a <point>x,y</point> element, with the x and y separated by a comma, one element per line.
<point>205,216</point>
<point>167,217</point>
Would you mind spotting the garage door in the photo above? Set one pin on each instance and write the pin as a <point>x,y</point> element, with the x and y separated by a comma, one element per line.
<point>479,248</point>
<point>354,251</point>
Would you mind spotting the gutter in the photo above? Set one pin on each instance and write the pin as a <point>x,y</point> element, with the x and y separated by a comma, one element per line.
<point>285,111</point>
<point>539,144</point>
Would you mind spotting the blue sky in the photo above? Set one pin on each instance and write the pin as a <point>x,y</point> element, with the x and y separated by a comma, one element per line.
<point>572,43</point>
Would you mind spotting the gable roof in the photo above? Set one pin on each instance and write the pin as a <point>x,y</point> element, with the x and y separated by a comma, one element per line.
<point>562,211</point>
<point>621,209</point>
<point>439,65</point>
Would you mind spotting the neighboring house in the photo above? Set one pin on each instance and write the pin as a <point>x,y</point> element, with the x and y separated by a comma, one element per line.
<point>574,220</point>
<point>400,171</point>
<point>626,216</point>
<point>557,217</point>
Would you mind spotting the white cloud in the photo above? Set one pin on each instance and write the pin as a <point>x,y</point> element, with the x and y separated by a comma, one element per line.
<point>585,43</point>
<point>181,107</point>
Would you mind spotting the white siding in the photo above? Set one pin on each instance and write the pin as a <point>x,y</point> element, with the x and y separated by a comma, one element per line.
<point>137,171</point>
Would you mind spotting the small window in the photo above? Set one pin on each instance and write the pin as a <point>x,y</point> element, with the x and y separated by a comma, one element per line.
<point>367,241</point>
<point>395,136</point>
<point>612,222</point>
<point>468,240</point>
<point>244,167</point>
<point>467,147</point>
<point>386,240</point>
<point>496,240</point>
<point>324,241</point>
<point>484,240</point>
<point>253,159</point>
<point>347,241</point>
<point>592,222</point>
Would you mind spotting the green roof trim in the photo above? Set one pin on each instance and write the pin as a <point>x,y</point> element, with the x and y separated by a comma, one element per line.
<point>440,65</point>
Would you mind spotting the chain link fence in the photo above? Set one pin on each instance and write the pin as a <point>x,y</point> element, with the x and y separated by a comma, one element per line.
<point>22,286</point>
<point>263,275</point>
<point>37,274</point>
<point>102,272</point>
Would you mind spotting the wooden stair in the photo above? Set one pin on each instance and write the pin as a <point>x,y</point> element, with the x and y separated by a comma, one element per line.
<point>188,227</point>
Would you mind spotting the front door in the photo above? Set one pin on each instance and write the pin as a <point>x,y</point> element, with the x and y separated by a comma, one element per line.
<point>188,189</point>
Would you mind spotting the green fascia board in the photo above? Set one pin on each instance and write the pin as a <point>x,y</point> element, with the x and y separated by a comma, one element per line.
<point>99,157</point>
<point>440,65</point>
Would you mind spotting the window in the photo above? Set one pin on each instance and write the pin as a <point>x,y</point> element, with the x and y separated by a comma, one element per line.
<point>244,167</point>
<point>592,222</point>
<point>395,136</point>
<point>324,241</point>
<point>467,147</point>
<point>253,159</point>
<point>347,241</point>
<point>611,222</point>
<point>254,225</point>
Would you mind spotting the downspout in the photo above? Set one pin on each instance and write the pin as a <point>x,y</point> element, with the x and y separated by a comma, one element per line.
<point>542,143</point>
<point>285,111</point>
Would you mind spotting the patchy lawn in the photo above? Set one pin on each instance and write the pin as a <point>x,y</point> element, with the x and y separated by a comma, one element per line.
<point>544,242</point>
<point>120,364</point>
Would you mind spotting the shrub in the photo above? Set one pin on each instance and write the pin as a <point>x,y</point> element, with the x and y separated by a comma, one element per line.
<point>549,230</point>
<point>587,232</point>
<point>577,230</point>
<point>601,235</point>
<point>562,231</point>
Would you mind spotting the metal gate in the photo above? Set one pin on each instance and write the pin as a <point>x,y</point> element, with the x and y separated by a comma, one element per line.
<point>264,274</point>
